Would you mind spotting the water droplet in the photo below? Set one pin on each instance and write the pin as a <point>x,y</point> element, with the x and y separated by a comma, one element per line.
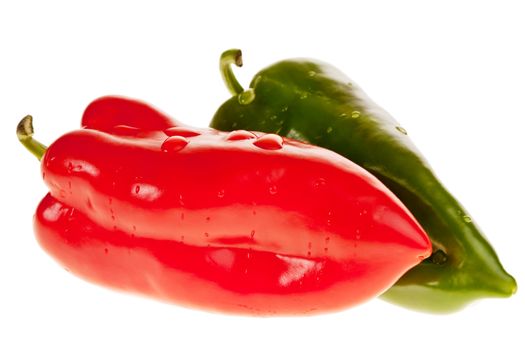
<point>252,234</point>
<point>137,189</point>
<point>181,202</point>
<point>269,142</point>
<point>220,194</point>
<point>312,73</point>
<point>273,117</point>
<point>467,218</point>
<point>181,131</point>
<point>174,144</point>
<point>272,189</point>
<point>284,109</point>
<point>238,135</point>
<point>71,214</point>
<point>303,96</point>
<point>343,115</point>
<point>320,182</point>
<point>329,130</point>
<point>329,222</point>
<point>355,114</point>
<point>401,130</point>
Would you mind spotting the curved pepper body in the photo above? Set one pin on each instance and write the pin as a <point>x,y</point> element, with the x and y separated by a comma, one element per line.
<point>109,112</point>
<point>236,222</point>
<point>315,103</point>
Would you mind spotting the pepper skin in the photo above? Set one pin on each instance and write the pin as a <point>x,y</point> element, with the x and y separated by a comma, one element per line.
<point>315,103</point>
<point>239,222</point>
<point>109,112</point>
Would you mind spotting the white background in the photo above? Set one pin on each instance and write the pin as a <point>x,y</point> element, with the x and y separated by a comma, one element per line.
<point>452,73</point>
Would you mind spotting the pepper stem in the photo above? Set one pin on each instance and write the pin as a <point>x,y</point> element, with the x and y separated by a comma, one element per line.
<point>229,57</point>
<point>24,132</point>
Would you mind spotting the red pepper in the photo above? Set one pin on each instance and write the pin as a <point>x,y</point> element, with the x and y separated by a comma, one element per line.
<point>239,222</point>
<point>108,112</point>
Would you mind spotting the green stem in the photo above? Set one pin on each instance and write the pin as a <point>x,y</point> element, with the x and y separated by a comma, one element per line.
<point>24,132</point>
<point>233,56</point>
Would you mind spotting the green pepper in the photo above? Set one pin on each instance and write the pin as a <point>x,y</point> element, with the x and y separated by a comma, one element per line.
<point>315,103</point>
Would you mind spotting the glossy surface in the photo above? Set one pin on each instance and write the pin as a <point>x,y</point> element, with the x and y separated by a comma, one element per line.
<point>315,103</point>
<point>222,223</point>
<point>109,112</point>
